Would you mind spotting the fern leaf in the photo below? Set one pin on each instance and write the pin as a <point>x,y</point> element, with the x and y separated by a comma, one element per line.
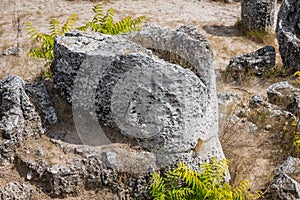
<point>54,27</point>
<point>98,10</point>
<point>68,24</point>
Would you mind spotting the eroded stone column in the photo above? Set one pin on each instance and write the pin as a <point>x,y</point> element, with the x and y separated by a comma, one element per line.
<point>288,33</point>
<point>258,15</point>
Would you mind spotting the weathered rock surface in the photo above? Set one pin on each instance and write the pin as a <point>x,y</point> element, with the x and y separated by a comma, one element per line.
<point>194,49</point>
<point>165,107</point>
<point>128,85</point>
<point>256,101</point>
<point>283,185</point>
<point>18,117</point>
<point>125,171</point>
<point>16,191</point>
<point>283,94</point>
<point>258,14</point>
<point>38,93</point>
<point>288,33</point>
<point>12,51</point>
<point>256,63</point>
<point>291,167</point>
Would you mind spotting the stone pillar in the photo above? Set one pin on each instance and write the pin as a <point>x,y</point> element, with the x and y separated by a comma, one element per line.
<point>288,33</point>
<point>258,15</point>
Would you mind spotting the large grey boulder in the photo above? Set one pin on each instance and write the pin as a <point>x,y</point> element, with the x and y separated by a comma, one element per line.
<point>258,15</point>
<point>288,33</point>
<point>256,62</point>
<point>133,88</point>
<point>162,106</point>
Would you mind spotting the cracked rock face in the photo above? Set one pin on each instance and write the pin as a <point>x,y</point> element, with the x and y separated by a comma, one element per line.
<point>39,95</point>
<point>256,62</point>
<point>16,191</point>
<point>285,95</point>
<point>258,15</point>
<point>288,33</point>
<point>163,107</point>
<point>284,186</point>
<point>18,117</point>
<point>125,173</point>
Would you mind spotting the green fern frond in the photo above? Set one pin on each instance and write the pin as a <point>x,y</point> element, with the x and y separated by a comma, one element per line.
<point>104,23</point>
<point>46,41</point>
<point>68,24</point>
<point>54,27</point>
<point>187,184</point>
<point>98,16</point>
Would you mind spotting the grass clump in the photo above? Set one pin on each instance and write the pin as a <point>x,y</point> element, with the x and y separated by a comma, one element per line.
<point>260,37</point>
<point>186,184</point>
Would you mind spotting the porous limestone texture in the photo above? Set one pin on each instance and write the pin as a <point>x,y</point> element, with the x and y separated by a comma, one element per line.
<point>288,33</point>
<point>16,191</point>
<point>38,93</point>
<point>283,186</point>
<point>258,15</point>
<point>161,107</point>
<point>282,93</point>
<point>255,62</point>
<point>125,172</point>
<point>19,120</point>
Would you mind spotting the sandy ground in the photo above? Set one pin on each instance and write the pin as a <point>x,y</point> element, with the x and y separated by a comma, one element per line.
<point>214,19</point>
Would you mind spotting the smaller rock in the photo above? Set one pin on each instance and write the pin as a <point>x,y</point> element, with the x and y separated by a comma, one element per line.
<point>16,191</point>
<point>282,94</point>
<point>250,127</point>
<point>19,119</point>
<point>256,101</point>
<point>268,127</point>
<point>39,95</point>
<point>256,62</point>
<point>15,51</point>
<point>294,107</point>
<point>290,166</point>
<point>258,15</point>
<point>226,98</point>
<point>283,187</point>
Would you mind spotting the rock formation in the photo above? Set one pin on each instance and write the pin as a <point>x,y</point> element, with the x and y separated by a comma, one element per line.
<point>39,95</point>
<point>132,87</point>
<point>284,95</point>
<point>256,63</point>
<point>288,33</point>
<point>258,15</point>
<point>283,185</point>
<point>16,191</point>
<point>141,102</point>
<point>19,119</point>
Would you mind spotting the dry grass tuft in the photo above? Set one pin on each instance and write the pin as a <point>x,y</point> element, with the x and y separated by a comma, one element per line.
<point>260,37</point>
